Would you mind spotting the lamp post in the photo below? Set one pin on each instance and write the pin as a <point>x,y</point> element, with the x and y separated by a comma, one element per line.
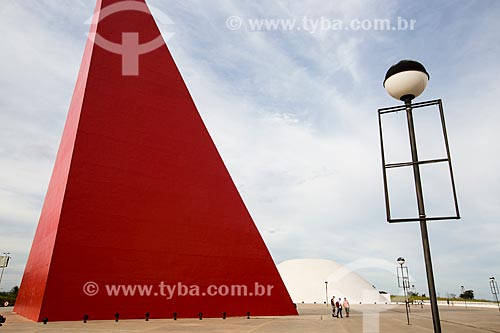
<point>4,264</point>
<point>463,295</point>
<point>403,284</point>
<point>404,81</point>
<point>326,292</point>
<point>494,290</point>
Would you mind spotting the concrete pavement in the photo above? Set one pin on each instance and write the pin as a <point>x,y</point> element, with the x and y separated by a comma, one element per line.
<point>312,318</point>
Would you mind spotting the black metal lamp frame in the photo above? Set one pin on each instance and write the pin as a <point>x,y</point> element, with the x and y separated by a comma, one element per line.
<point>404,283</point>
<point>410,108</point>
<point>415,163</point>
<point>494,290</point>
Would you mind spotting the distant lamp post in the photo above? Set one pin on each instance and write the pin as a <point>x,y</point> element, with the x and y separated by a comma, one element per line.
<point>404,81</point>
<point>401,261</point>
<point>4,262</point>
<point>463,295</point>
<point>326,292</point>
<point>494,290</point>
<point>403,282</point>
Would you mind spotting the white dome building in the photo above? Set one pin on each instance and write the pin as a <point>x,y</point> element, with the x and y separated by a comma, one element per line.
<point>305,281</point>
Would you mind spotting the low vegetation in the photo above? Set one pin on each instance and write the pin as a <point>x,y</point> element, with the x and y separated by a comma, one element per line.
<point>9,296</point>
<point>416,298</point>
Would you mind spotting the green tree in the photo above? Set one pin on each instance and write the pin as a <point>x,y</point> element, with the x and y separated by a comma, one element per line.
<point>468,294</point>
<point>14,291</point>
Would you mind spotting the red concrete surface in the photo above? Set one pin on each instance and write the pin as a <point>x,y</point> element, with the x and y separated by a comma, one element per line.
<point>140,195</point>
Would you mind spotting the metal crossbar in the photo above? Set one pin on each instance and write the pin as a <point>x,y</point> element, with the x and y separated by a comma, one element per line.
<point>446,159</point>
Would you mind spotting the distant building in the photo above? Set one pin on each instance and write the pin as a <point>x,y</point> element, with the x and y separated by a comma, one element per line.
<point>305,281</point>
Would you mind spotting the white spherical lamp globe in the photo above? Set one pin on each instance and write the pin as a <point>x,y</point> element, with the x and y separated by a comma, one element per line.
<point>406,80</point>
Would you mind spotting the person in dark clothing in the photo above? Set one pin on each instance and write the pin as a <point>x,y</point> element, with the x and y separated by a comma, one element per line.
<point>338,305</point>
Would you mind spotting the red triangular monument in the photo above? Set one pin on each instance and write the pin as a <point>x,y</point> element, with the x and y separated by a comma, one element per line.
<point>141,214</point>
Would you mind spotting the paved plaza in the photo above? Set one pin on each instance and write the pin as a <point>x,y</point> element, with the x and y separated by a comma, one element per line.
<point>312,318</point>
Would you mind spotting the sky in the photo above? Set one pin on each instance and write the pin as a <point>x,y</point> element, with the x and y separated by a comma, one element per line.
<point>292,109</point>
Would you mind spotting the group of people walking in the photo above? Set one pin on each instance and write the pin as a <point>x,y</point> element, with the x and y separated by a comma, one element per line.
<point>337,307</point>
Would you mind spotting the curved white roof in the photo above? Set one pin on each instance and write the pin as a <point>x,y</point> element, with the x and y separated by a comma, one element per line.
<point>305,281</point>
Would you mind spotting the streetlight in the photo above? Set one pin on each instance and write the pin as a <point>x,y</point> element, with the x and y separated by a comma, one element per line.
<point>3,263</point>
<point>463,295</point>
<point>494,290</point>
<point>404,81</point>
<point>326,291</point>
<point>403,284</point>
